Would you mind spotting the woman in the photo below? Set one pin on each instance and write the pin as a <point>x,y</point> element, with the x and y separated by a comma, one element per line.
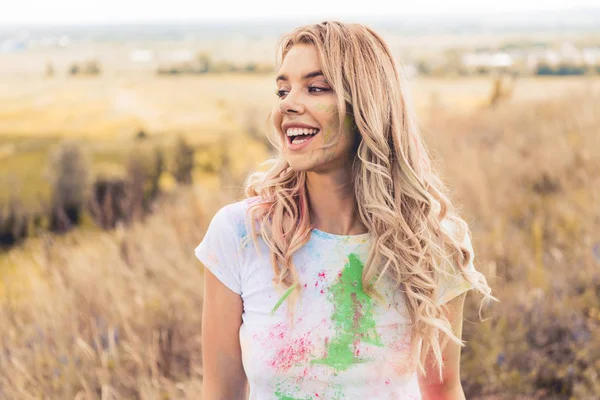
<point>343,273</point>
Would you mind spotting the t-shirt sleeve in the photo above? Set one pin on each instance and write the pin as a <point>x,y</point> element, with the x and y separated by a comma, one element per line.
<point>219,250</point>
<point>454,284</point>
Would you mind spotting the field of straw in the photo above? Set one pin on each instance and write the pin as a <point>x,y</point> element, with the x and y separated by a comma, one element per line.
<point>117,314</point>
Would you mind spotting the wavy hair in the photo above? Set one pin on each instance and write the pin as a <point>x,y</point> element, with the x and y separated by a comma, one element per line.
<point>400,199</point>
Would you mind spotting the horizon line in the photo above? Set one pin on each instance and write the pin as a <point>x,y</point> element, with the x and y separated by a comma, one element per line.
<point>285,19</point>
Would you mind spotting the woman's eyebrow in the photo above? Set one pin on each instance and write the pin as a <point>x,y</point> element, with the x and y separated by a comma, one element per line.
<point>283,77</point>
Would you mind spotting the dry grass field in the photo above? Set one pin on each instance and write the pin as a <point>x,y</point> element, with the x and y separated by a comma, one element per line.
<point>106,113</point>
<point>115,108</point>
<point>117,314</point>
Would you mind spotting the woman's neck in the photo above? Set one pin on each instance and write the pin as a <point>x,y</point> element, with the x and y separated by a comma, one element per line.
<point>332,203</point>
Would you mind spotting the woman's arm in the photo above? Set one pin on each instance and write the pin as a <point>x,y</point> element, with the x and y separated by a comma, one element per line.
<point>224,377</point>
<point>450,388</point>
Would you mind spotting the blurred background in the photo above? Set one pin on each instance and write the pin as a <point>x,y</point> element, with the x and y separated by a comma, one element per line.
<point>125,125</point>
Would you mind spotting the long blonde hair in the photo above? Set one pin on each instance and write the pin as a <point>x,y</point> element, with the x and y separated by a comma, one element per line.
<point>399,198</point>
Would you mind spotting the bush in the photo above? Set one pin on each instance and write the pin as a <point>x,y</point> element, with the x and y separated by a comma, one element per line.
<point>69,182</point>
<point>14,224</point>
<point>108,203</point>
<point>89,67</point>
<point>183,162</point>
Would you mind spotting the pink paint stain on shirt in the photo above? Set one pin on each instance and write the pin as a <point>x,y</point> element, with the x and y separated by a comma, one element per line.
<point>276,334</point>
<point>326,346</point>
<point>401,343</point>
<point>278,331</point>
<point>293,353</point>
<point>356,345</point>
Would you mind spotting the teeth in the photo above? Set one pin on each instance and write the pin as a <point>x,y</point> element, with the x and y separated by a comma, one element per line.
<point>301,131</point>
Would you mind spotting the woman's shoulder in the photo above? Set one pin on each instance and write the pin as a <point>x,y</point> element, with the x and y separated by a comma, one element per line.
<point>237,209</point>
<point>236,214</point>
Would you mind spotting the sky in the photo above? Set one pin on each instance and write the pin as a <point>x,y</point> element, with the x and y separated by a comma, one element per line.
<point>59,12</point>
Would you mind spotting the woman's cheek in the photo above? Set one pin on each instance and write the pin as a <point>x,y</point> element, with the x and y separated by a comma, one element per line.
<point>276,117</point>
<point>277,120</point>
<point>328,133</point>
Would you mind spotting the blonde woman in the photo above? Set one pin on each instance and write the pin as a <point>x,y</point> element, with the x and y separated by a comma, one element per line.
<point>343,273</point>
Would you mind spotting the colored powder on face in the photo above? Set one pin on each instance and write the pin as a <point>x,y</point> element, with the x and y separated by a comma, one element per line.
<point>352,318</point>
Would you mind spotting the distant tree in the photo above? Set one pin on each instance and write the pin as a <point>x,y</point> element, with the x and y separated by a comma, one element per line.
<point>157,167</point>
<point>69,179</point>
<point>92,67</point>
<point>137,176</point>
<point>108,202</point>
<point>502,88</point>
<point>74,69</point>
<point>49,70</point>
<point>544,69</point>
<point>183,162</point>
<point>562,69</point>
<point>423,67</point>
<point>142,186</point>
<point>571,69</point>
<point>14,225</point>
<point>203,62</point>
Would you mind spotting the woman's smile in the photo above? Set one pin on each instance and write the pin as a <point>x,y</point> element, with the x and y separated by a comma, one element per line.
<point>299,138</point>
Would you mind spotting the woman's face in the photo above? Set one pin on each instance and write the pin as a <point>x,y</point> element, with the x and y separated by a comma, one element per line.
<point>307,104</point>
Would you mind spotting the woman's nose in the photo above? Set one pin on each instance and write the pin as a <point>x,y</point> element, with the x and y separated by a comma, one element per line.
<point>291,104</point>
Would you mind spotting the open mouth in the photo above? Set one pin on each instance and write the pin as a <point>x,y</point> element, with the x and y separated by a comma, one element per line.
<point>299,139</point>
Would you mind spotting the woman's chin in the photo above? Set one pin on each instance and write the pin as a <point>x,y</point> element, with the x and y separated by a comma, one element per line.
<point>300,165</point>
<point>317,161</point>
<point>307,164</point>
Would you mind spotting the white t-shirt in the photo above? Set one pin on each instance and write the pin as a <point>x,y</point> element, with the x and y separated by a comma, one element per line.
<point>344,344</point>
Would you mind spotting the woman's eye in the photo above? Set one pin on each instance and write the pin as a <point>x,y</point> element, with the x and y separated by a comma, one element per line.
<point>318,89</point>
<point>311,89</point>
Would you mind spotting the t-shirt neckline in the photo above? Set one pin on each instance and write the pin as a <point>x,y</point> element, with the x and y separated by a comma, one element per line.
<point>360,238</point>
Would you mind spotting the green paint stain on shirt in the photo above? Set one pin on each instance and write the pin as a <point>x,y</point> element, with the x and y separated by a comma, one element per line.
<point>284,397</point>
<point>281,396</point>
<point>352,318</point>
